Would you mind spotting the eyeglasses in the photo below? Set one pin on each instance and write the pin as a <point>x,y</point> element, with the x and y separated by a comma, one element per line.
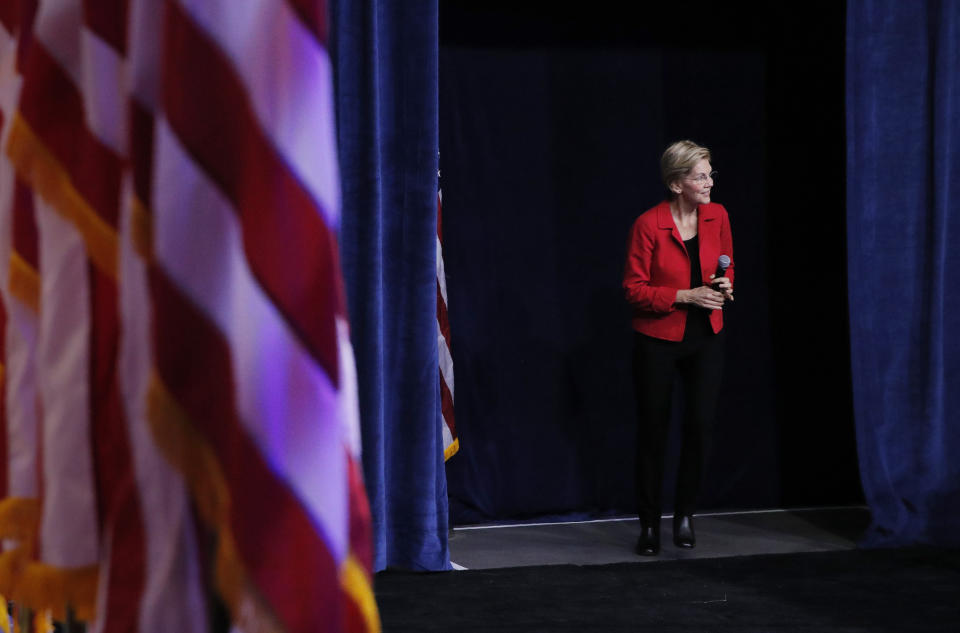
<point>703,178</point>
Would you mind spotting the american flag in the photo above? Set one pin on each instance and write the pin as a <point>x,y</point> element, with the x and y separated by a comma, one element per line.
<point>178,166</point>
<point>451,443</point>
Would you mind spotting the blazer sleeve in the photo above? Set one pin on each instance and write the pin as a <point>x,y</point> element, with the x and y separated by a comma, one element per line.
<point>636,276</point>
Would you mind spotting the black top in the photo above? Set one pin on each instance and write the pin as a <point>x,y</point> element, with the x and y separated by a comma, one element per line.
<point>698,319</point>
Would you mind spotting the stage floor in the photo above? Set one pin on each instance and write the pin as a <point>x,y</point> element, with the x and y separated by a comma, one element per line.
<point>605,541</point>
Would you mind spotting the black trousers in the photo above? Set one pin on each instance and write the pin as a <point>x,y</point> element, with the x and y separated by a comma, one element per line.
<point>699,362</point>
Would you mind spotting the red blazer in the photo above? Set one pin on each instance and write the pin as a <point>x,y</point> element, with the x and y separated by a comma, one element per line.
<point>657,266</point>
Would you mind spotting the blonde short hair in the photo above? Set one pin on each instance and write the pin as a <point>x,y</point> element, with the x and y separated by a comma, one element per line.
<point>678,160</point>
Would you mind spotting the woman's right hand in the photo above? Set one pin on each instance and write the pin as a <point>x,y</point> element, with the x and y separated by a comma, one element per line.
<point>703,296</point>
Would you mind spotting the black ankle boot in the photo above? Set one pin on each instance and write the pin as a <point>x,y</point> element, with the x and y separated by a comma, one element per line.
<point>649,542</point>
<point>683,535</point>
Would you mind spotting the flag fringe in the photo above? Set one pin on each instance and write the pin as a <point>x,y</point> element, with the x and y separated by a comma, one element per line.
<point>43,622</point>
<point>19,518</point>
<point>356,585</point>
<point>451,450</point>
<point>43,586</point>
<point>39,167</point>
<point>12,562</point>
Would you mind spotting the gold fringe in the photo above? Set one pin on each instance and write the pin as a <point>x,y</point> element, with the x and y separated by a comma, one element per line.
<point>38,166</point>
<point>12,563</point>
<point>356,584</point>
<point>452,449</point>
<point>24,282</point>
<point>19,518</point>
<point>43,622</point>
<point>43,586</point>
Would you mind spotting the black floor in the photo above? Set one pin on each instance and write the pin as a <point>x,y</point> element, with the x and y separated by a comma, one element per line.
<point>796,571</point>
<point>845,591</point>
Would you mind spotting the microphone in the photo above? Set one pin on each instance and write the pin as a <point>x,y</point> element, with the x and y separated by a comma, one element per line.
<point>723,262</point>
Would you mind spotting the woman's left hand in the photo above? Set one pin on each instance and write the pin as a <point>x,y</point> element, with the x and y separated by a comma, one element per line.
<point>722,285</point>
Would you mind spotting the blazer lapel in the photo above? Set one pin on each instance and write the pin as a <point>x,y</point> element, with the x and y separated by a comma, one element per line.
<point>707,224</point>
<point>708,227</point>
<point>665,221</point>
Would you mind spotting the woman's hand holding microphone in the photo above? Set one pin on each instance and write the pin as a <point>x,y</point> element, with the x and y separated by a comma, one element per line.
<point>709,297</point>
<point>722,285</point>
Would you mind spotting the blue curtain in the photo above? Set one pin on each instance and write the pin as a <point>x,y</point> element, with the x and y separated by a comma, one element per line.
<point>903,224</point>
<point>385,58</point>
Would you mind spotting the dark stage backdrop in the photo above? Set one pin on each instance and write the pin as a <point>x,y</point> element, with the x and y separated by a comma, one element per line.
<point>550,136</point>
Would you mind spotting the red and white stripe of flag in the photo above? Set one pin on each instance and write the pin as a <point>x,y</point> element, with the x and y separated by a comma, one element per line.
<point>451,443</point>
<point>252,370</point>
<point>71,158</point>
<point>238,384</point>
<point>20,291</point>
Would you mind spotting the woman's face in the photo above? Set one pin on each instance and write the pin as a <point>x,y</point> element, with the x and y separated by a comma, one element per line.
<point>695,187</point>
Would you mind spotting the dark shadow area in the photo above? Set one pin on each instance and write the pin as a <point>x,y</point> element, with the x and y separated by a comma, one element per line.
<point>847,523</point>
<point>551,126</point>
<point>897,590</point>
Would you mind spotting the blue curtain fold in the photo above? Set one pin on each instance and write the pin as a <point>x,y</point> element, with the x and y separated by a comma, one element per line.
<point>903,223</point>
<point>385,67</point>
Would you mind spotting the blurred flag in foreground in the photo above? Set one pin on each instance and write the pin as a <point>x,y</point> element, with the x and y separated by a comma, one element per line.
<point>182,442</point>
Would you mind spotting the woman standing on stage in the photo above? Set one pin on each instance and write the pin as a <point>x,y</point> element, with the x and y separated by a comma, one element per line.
<point>672,259</point>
